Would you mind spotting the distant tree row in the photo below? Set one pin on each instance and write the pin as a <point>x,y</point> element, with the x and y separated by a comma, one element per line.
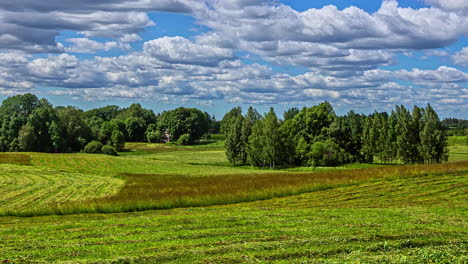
<point>456,126</point>
<point>316,136</point>
<point>31,124</point>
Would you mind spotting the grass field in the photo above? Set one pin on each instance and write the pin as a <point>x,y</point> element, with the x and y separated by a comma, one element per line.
<point>351,214</point>
<point>458,148</point>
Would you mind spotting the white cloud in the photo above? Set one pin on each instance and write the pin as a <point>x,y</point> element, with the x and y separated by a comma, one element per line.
<point>450,5</point>
<point>85,45</point>
<point>391,27</point>
<point>461,57</point>
<point>183,51</point>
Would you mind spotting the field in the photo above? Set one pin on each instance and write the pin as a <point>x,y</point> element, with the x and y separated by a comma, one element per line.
<point>211,212</point>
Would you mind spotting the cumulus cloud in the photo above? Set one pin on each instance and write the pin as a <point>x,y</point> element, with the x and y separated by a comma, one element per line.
<point>450,5</point>
<point>461,57</point>
<point>85,45</point>
<point>183,51</point>
<point>391,27</point>
<point>342,52</point>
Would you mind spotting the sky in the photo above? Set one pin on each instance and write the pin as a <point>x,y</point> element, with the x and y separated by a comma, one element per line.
<point>216,54</point>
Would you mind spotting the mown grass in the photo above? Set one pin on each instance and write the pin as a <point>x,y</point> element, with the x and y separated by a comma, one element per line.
<point>458,149</point>
<point>413,220</point>
<point>26,187</point>
<point>156,191</point>
<point>352,214</point>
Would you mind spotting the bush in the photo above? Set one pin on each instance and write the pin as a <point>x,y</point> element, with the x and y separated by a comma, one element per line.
<point>154,136</point>
<point>185,139</point>
<point>93,147</point>
<point>109,150</point>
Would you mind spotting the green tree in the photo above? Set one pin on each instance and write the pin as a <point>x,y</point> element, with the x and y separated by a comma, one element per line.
<point>290,113</point>
<point>327,153</point>
<point>267,143</point>
<point>153,135</point>
<point>229,118</point>
<point>74,128</point>
<point>249,120</point>
<point>234,144</point>
<point>136,128</point>
<point>433,147</point>
<point>117,139</point>
<point>56,138</point>
<point>184,121</point>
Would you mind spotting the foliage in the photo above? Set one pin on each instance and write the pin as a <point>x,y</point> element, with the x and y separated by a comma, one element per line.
<point>153,135</point>
<point>229,118</point>
<point>109,150</point>
<point>185,140</point>
<point>184,121</point>
<point>234,144</point>
<point>290,113</point>
<point>93,147</point>
<point>117,139</point>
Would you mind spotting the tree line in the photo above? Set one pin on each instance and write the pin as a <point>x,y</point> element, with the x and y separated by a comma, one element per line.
<point>316,136</point>
<point>28,123</point>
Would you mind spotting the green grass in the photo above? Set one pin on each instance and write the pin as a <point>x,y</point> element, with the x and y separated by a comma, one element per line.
<point>158,191</point>
<point>457,141</point>
<point>357,213</point>
<point>415,220</point>
<point>24,187</point>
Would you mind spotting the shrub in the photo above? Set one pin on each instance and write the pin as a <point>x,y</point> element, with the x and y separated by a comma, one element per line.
<point>109,150</point>
<point>185,139</point>
<point>153,136</point>
<point>93,147</point>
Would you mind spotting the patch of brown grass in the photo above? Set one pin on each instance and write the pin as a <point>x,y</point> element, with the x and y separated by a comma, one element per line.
<point>162,191</point>
<point>15,158</point>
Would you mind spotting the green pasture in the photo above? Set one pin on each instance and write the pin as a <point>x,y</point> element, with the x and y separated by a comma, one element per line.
<point>358,213</point>
<point>415,220</point>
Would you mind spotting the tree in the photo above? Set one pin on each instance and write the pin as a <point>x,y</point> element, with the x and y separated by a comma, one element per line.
<point>433,147</point>
<point>327,153</point>
<point>229,118</point>
<point>34,136</point>
<point>105,132</point>
<point>184,121</point>
<point>404,133</point>
<point>266,144</point>
<point>117,140</point>
<point>22,105</point>
<point>75,129</point>
<point>153,135</point>
<point>309,125</point>
<point>56,138</point>
<point>290,113</point>
<point>106,113</point>
<point>250,118</point>
<point>234,144</point>
<point>136,128</point>
<point>28,139</point>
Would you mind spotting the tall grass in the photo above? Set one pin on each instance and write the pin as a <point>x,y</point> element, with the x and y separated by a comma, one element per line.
<point>156,191</point>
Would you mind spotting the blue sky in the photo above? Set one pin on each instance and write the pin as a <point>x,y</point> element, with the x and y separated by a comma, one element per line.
<point>214,55</point>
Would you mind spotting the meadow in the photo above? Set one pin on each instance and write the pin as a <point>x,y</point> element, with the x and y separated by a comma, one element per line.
<point>100,209</point>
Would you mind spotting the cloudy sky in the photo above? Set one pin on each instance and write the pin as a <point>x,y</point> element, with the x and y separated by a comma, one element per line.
<point>216,54</point>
